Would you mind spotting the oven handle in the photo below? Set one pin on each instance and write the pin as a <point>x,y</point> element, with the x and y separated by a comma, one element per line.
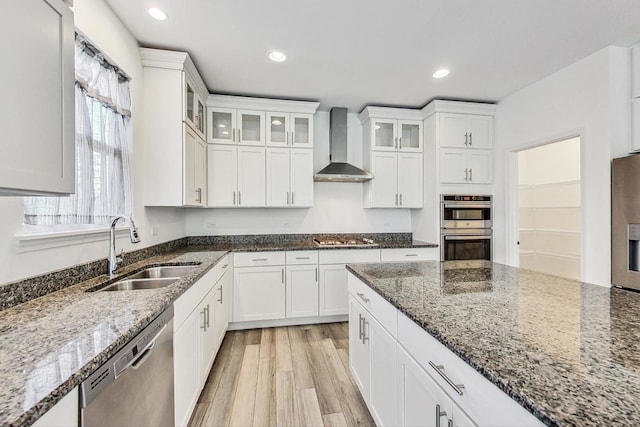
<point>468,206</point>
<point>463,237</point>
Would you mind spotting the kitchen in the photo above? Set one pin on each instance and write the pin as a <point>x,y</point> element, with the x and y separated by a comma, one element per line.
<point>587,95</point>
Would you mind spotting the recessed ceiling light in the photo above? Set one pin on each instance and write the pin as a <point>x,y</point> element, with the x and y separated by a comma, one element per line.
<point>277,56</point>
<point>276,122</point>
<point>441,73</point>
<point>157,14</point>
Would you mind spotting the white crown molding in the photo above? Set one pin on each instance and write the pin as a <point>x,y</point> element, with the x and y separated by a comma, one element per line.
<point>173,60</point>
<point>266,104</point>
<point>389,113</point>
<point>440,106</point>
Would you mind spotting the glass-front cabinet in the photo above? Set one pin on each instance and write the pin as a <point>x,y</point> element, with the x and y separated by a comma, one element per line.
<point>231,126</point>
<point>289,129</point>
<point>396,135</point>
<point>194,109</point>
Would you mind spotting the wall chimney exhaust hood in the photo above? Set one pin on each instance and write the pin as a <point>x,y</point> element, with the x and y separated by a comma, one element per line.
<point>339,170</point>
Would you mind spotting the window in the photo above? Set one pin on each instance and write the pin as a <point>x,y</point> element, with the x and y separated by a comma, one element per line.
<point>103,181</point>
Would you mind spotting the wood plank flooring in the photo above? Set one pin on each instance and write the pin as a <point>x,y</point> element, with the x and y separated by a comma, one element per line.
<point>290,376</point>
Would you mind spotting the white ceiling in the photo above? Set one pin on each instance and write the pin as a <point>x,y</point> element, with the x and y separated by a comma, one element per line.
<point>383,52</point>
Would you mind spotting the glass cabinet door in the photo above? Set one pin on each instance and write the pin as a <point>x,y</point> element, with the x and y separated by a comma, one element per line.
<point>189,101</point>
<point>200,117</point>
<point>222,126</point>
<point>277,129</point>
<point>302,130</point>
<point>384,135</point>
<point>410,138</point>
<point>251,127</point>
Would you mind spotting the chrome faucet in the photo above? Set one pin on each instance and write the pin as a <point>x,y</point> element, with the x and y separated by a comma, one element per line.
<point>116,260</point>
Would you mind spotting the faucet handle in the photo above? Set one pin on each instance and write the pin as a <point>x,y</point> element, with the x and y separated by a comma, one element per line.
<point>120,258</point>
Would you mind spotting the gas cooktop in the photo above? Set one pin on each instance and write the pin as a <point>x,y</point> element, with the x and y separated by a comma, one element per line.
<point>344,242</point>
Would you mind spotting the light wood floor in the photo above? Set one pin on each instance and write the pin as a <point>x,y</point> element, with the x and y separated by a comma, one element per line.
<point>289,376</point>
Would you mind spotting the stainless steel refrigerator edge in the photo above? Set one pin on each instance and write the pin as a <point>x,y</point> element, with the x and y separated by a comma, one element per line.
<point>625,222</point>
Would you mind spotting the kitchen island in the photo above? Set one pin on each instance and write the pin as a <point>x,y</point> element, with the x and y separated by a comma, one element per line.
<point>566,351</point>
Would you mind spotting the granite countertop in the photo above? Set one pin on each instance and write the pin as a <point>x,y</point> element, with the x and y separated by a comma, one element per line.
<point>49,345</point>
<point>567,351</point>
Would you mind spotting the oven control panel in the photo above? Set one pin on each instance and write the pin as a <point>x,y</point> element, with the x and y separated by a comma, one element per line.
<point>465,198</point>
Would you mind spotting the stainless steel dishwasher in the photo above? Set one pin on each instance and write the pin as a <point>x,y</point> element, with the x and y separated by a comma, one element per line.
<point>135,386</point>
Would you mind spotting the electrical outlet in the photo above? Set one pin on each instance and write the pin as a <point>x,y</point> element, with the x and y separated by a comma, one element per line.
<point>154,231</point>
<point>285,223</point>
<point>211,225</point>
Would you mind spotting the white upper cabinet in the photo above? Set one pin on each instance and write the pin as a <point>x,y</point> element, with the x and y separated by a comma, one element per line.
<point>280,175</point>
<point>38,149</point>
<point>466,130</point>
<point>393,145</point>
<point>233,126</point>
<point>174,127</point>
<point>289,130</point>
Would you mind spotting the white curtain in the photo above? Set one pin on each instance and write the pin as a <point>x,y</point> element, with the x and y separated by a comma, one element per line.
<point>103,180</point>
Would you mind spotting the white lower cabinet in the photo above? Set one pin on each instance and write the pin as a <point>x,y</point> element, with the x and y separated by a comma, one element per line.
<point>403,380</point>
<point>372,359</point>
<point>259,293</point>
<point>223,305</point>
<point>63,414</point>
<point>199,326</point>
<point>333,296</point>
<point>420,401</point>
<point>302,291</point>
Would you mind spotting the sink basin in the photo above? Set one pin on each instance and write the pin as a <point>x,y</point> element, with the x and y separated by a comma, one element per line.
<point>164,272</point>
<point>133,284</point>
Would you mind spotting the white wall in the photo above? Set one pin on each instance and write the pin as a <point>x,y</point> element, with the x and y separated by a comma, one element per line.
<point>589,98</point>
<point>96,20</point>
<point>337,206</point>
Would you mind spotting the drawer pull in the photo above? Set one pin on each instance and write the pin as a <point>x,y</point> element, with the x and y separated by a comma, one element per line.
<point>410,254</point>
<point>258,259</point>
<point>361,333</point>
<point>303,257</point>
<point>439,414</point>
<point>440,370</point>
<point>225,266</point>
<point>361,295</point>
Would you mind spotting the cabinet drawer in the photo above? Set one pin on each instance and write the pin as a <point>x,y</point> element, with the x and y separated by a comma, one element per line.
<point>302,257</point>
<point>258,259</point>
<point>381,310</point>
<point>409,254</point>
<point>485,403</point>
<point>346,256</point>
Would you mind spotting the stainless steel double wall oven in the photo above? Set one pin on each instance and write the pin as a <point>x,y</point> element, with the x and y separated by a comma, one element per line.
<point>465,227</point>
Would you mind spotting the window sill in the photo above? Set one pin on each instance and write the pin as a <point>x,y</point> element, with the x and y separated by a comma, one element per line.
<point>35,238</point>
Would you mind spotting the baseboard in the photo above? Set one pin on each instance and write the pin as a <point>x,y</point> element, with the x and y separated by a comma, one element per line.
<point>235,326</point>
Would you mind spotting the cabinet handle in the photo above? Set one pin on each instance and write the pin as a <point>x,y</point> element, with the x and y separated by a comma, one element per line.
<point>365,338</point>
<point>399,143</point>
<point>233,135</point>
<point>440,370</point>
<point>466,174</point>
<point>292,138</point>
<point>316,274</point>
<point>225,266</point>
<point>470,174</point>
<point>292,202</point>
<point>220,299</point>
<point>234,198</point>
<point>396,199</point>
<point>208,316</point>
<point>199,195</point>
<point>286,138</point>
<point>439,414</point>
<point>288,198</point>
<point>283,276</point>
<point>259,259</point>
<point>410,254</point>
<point>239,135</point>
<point>360,326</point>
<point>450,423</point>
<point>303,257</point>
<point>239,199</point>
<point>466,139</point>
<point>470,138</point>
<point>204,319</point>
<point>400,199</point>
<point>362,296</point>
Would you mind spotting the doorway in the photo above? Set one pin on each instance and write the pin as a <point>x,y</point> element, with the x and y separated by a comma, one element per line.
<point>549,208</point>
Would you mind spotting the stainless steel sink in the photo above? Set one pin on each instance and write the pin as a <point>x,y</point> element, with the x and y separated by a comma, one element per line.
<point>134,284</point>
<point>151,278</point>
<point>164,271</point>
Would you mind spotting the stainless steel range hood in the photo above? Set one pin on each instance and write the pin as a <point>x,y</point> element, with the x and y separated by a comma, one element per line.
<point>339,170</point>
